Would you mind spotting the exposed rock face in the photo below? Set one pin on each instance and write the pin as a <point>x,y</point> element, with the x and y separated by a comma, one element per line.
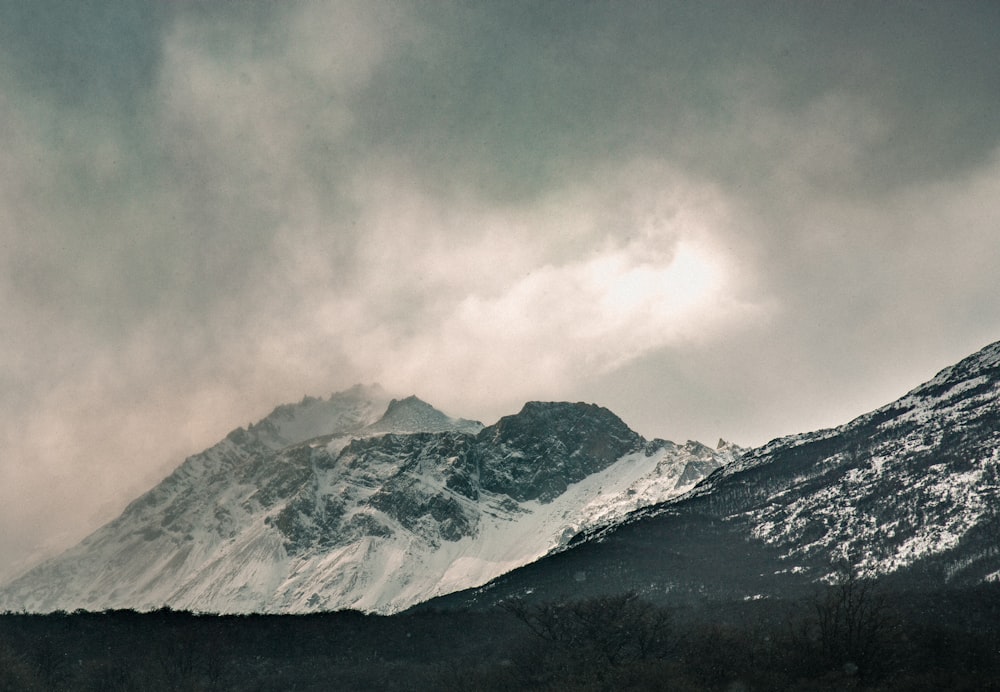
<point>423,478</point>
<point>349,493</point>
<point>537,453</point>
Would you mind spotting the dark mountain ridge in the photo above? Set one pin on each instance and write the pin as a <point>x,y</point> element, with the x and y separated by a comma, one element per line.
<point>908,493</point>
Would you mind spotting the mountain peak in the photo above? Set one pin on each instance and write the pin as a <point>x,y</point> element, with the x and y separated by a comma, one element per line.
<point>564,413</point>
<point>411,403</point>
<point>344,412</point>
<point>412,414</point>
<point>538,452</point>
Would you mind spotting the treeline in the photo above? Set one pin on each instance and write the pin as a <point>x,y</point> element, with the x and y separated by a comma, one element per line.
<point>849,636</point>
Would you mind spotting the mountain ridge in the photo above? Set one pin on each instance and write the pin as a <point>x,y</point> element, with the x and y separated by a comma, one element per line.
<point>370,514</point>
<point>908,493</point>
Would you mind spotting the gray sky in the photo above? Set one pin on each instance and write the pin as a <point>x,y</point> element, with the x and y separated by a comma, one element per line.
<point>717,219</point>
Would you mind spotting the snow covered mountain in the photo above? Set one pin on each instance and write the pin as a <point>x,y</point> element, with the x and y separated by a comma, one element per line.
<point>359,501</point>
<point>909,493</point>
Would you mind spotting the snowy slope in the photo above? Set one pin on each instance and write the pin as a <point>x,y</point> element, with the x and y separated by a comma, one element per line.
<point>167,535</point>
<point>411,563</point>
<point>327,505</point>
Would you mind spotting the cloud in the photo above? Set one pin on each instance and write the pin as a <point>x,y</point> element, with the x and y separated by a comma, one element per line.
<point>867,297</point>
<point>713,219</point>
<point>471,302</point>
<point>592,315</point>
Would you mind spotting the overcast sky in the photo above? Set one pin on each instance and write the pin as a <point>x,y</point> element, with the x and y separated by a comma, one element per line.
<point>717,219</point>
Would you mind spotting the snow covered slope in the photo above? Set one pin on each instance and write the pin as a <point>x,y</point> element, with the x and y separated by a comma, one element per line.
<point>327,505</point>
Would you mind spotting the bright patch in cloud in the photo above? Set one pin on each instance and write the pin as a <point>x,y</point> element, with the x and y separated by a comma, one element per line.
<point>465,302</point>
<point>596,313</point>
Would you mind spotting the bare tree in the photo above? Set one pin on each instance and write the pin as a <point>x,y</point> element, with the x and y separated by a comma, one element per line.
<point>850,625</point>
<point>612,630</point>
